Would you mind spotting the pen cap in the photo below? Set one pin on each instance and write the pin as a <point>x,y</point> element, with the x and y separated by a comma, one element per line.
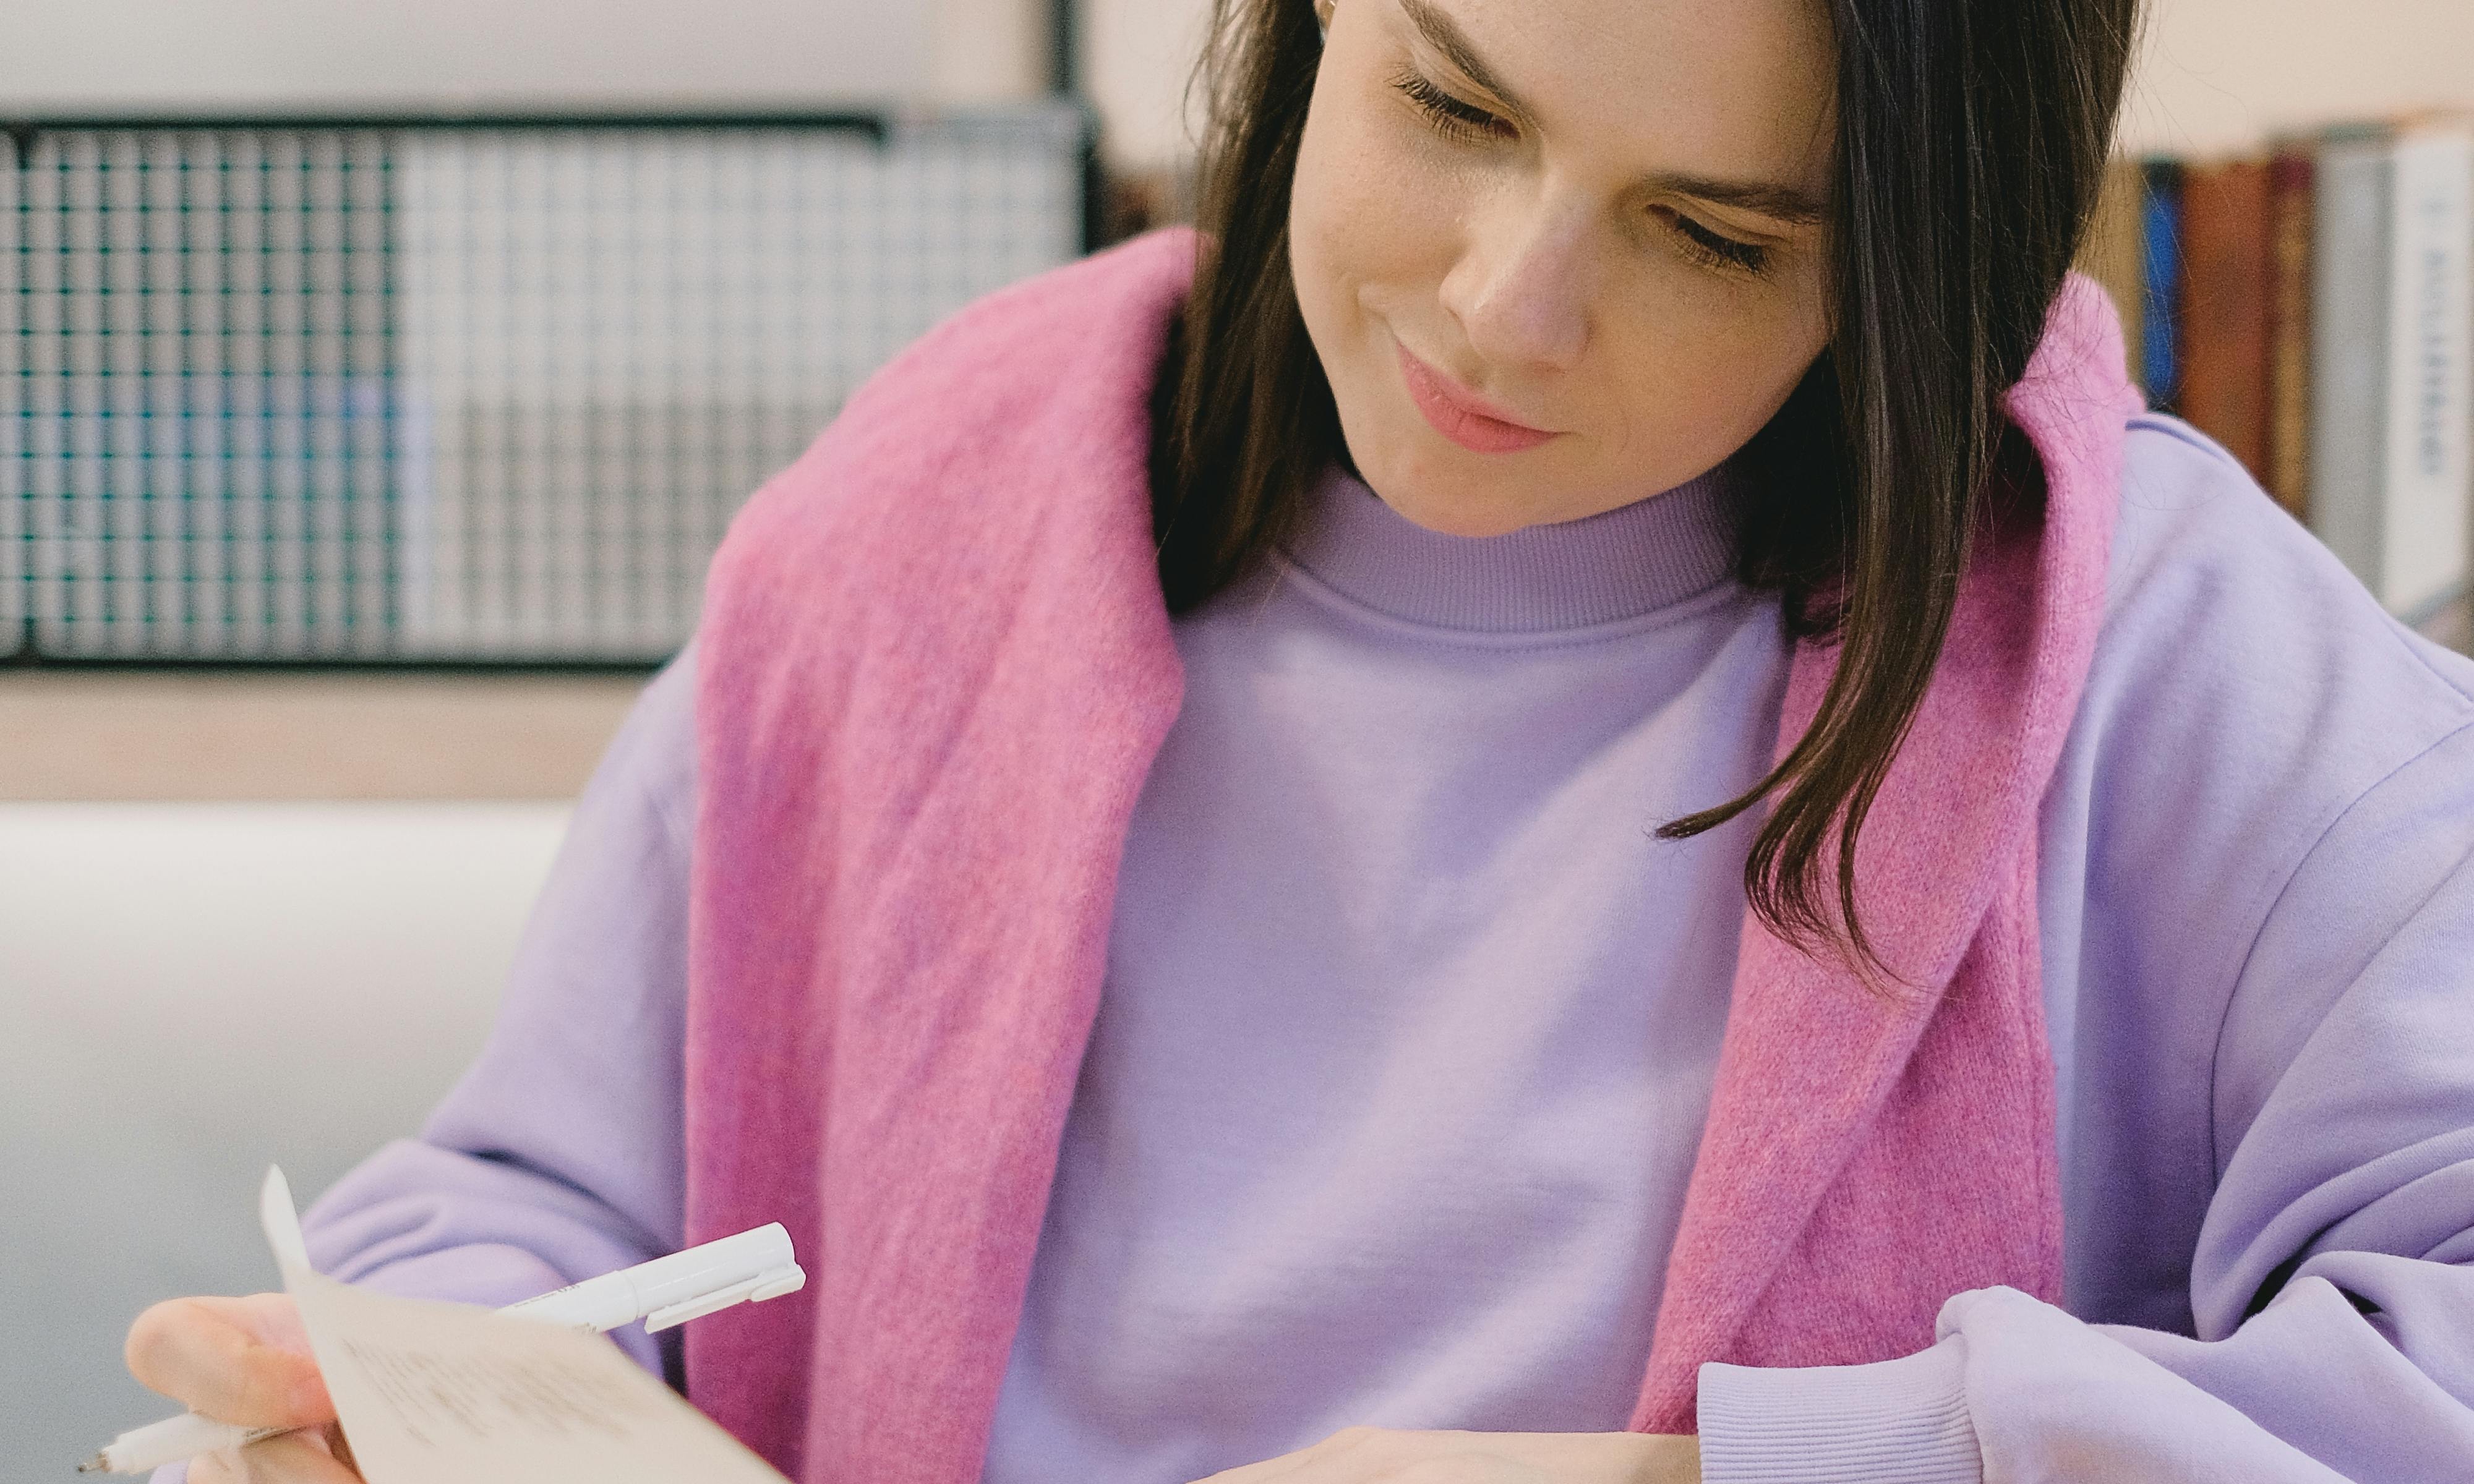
<point>701,1270</point>
<point>683,1277</point>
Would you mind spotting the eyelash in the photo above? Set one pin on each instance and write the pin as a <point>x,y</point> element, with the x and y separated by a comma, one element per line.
<point>1456,119</point>
<point>1719,251</point>
<point>1450,115</point>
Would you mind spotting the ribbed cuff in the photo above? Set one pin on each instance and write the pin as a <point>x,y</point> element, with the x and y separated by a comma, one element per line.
<point>1899,1419</point>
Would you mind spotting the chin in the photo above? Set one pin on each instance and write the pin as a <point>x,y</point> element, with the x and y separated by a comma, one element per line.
<point>1439,506</point>
<point>1425,489</point>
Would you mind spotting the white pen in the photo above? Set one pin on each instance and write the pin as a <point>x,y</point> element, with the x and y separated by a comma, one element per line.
<point>748,1268</point>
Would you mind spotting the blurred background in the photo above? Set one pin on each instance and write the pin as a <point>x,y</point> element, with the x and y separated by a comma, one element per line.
<point>315,611</point>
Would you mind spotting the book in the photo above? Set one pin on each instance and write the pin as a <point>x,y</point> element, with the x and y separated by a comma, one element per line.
<point>2160,335</point>
<point>2392,403</point>
<point>2291,173</point>
<point>2225,306</point>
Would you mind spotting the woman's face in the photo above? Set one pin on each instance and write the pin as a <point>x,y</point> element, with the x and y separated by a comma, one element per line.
<point>1599,221</point>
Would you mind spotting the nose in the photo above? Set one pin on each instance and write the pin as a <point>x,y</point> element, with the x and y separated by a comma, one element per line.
<point>1522,287</point>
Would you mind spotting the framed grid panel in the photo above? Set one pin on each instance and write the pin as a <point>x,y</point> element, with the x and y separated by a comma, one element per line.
<point>470,392</point>
<point>186,392</point>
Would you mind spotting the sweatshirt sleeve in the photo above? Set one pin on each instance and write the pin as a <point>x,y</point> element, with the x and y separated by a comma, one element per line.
<point>2323,1043</point>
<point>2332,1286</point>
<point>558,1156</point>
<point>560,1153</point>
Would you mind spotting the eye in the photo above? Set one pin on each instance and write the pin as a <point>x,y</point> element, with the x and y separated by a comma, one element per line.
<point>1714,249</point>
<point>1453,117</point>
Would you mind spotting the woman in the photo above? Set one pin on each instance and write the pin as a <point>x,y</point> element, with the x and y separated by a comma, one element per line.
<point>1709,853</point>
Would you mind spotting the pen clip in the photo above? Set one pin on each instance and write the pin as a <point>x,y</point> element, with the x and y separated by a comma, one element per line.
<point>770,1284</point>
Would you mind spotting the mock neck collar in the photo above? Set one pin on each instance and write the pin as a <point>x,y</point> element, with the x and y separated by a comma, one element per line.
<point>1626,563</point>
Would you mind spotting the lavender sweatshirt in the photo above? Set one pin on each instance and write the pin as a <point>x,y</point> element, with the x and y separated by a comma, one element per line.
<point>1409,1024</point>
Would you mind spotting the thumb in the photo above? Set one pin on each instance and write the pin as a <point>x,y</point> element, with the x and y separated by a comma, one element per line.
<point>236,1360</point>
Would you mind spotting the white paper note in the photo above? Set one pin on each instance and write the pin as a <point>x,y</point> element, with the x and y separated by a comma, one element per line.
<point>433,1393</point>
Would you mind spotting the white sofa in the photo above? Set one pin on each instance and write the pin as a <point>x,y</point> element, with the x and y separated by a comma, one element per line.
<point>188,992</point>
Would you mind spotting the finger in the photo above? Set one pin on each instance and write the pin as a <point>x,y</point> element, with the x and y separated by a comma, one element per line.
<point>295,1458</point>
<point>238,1360</point>
<point>223,1466</point>
<point>231,1466</point>
<point>332,1435</point>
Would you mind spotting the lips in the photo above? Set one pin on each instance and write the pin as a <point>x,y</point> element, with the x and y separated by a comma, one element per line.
<point>1459,416</point>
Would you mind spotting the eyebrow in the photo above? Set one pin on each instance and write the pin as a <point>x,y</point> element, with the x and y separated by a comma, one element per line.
<point>1780,202</point>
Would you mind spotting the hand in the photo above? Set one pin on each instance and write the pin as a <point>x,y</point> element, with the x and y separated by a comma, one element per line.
<point>1368,1455</point>
<point>247,1362</point>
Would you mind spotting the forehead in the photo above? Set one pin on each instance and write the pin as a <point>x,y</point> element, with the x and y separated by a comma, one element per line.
<point>1722,86</point>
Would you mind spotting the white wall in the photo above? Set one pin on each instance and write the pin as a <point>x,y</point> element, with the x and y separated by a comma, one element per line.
<point>2215,74</point>
<point>1136,57</point>
<point>168,54</point>
<point>2219,74</point>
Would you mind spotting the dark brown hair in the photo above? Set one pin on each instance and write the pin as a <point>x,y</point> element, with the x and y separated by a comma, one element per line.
<point>1972,139</point>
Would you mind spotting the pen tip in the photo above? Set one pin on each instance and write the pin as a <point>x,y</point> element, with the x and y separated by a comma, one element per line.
<point>94,1464</point>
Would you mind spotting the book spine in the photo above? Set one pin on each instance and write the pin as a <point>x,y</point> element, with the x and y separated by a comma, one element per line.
<point>2161,268</point>
<point>2431,395</point>
<point>2291,188</point>
<point>2225,306</point>
<point>2349,290</point>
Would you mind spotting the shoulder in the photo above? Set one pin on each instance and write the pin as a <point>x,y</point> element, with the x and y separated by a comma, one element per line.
<point>2215,592</point>
<point>996,474</point>
<point>2246,693</point>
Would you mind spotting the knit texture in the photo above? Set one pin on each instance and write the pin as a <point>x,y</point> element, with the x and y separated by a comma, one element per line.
<point>1867,1156</point>
<point>935,667</point>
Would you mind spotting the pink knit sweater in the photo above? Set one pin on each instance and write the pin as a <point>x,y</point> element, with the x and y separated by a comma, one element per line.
<point>934,669</point>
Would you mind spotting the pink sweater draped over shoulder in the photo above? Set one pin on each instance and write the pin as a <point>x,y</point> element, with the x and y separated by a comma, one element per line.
<point>935,667</point>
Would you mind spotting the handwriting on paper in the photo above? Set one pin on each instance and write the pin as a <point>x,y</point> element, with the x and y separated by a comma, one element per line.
<point>483,1396</point>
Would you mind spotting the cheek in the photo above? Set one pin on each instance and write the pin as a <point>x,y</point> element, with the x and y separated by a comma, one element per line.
<point>1365,226</point>
<point>1703,375</point>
